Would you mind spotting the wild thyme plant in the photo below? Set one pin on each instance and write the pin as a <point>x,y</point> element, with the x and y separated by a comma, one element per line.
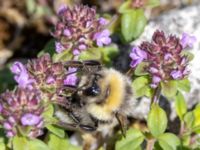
<point>157,67</point>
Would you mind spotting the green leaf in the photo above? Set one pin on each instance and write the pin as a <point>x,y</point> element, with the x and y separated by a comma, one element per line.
<point>48,113</point>
<point>125,7</point>
<point>56,130</point>
<point>132,24</point>
<point>157,120</point>
<point>6,79</point>
<point>63,56</point>
<point>31,6</point>
<point>94,54</point>
<point>169,89</point>
<point>49,48</point>
<point>132,141</point>
<point>20,143</point>
<point>140,82</point>
<point>57,143</point>
<point>196,112</point>
<point>108,53</point>
<point>2,146</point>
<point>184,85</point>
<point>153,3</point>
<point>140,69</point>
<point>40,11</point>
<point>36,144</point>
<point>189,119</point>
<point>141,87</point>
<point>169,141</point>
<point>180,105</point>
<point>141,22</point>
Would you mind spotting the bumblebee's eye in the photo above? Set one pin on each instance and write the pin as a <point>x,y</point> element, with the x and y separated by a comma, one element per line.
<point>94,90</point>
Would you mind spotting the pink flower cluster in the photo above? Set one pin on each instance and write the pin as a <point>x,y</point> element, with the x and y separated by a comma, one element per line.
<point>22,108</point>
<point>79,29</point>
<point>164,57</point>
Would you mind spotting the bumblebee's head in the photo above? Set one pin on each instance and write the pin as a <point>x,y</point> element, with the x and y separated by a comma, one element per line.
<point>96,87</point>
<point>90,87</point>
<point>93,90</point>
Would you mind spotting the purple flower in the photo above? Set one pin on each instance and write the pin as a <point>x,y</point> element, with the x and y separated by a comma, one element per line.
<point>82,47</point>
<point>10,134</point>
<point>21,107</point>
<point>21,75</point>
<point>168,56</point>
<point>17,68</point>
<point>59,47</point>
<point>11,119</point>
<point>67,32</point>
<point>62,9</point>
<point>7,126</point>
<point>1,107</point>
<point>137,55</point>
<point>103,21</point>
<point>153,70</point>
<point>102,38</point>
<point>187,40</point>
<point>176,74</point>
<point>76,52</point>
<point>80,28</point>
<point>30,119</point>
<point>155,81</point>
<point>50,80</point>
<point>72,78</point>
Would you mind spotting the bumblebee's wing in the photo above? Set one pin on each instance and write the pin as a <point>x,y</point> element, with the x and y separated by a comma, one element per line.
<point>86,66</point>
<point>122,120</point>
<point>73,63</point>
<point>69,121</point>
<point>75,127</point>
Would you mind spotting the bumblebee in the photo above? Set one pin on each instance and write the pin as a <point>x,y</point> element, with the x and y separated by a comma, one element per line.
<point>101,100</point>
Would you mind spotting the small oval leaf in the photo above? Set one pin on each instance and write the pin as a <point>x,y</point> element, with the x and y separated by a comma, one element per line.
<point>36,144</point>
<point>57,143</point>
<point>93,53</point>
<point>141,87</point>
<point>20,143</point>
<point>169,89</point>
<point>132,24</point>
<point>169,141</point>
<point>180,105</point>
<point>132,141</point>
<point>157,120</point>
<point>56,130</point>
<point>184,85</point>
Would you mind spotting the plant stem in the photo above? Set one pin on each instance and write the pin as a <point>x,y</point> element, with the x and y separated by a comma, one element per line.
<point>150,144</point>
<point>156,95</point>
<point>182,129</point>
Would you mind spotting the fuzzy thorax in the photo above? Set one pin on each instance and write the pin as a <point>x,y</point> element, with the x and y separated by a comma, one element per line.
<point>116,83</point>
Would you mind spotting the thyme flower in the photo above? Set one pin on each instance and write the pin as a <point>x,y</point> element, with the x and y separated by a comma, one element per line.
<point>79,29</point>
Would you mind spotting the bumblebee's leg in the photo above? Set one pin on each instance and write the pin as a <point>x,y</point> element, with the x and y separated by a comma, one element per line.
<point>122,123</point>
<point>92,141</point>
<point>88,141</point>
